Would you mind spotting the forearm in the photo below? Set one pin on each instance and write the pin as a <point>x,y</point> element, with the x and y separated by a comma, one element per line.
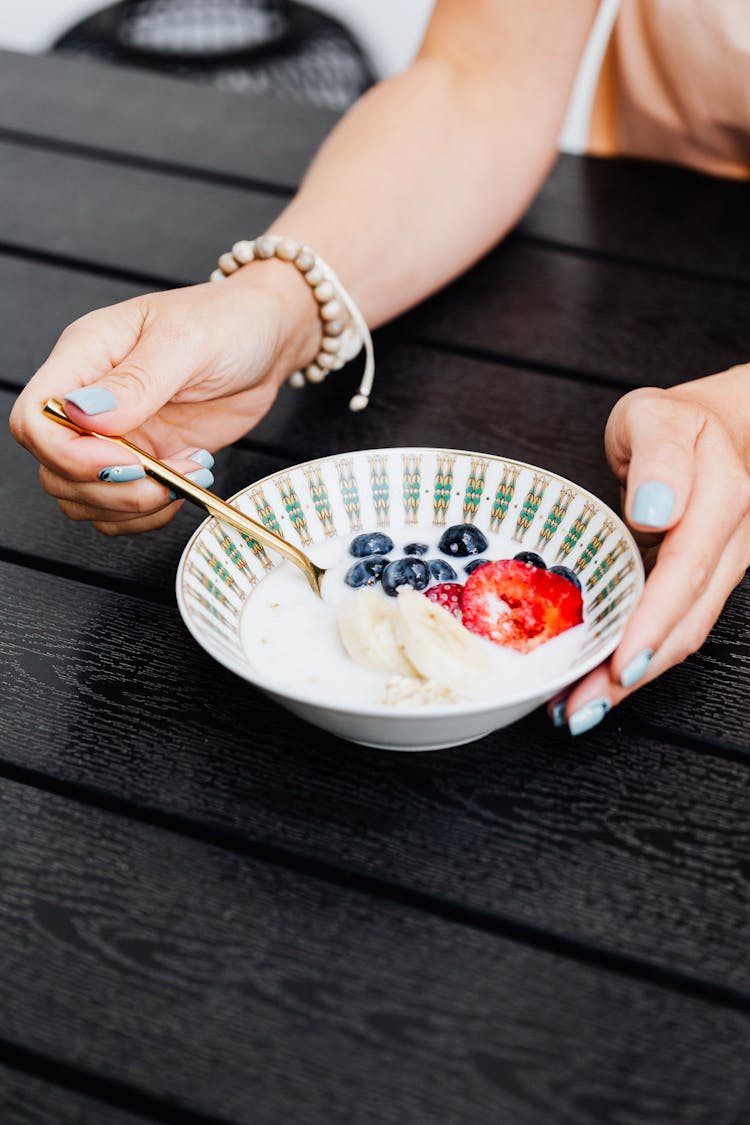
<point>432,167</point>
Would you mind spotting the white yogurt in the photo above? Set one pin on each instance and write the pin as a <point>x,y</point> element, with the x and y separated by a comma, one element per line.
<point>292,638</point>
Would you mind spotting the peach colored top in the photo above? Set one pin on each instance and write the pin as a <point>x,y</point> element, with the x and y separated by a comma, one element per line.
<point>675,85</point>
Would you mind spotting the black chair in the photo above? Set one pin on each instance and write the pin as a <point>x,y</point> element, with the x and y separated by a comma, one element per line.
<point>274,47</point>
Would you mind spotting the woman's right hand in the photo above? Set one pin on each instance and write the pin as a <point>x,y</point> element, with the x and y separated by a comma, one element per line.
<point>180,372</point>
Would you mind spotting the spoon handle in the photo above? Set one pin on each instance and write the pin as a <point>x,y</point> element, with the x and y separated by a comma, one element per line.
<point>208,501</point>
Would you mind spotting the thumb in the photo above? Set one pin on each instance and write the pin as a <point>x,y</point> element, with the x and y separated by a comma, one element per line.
<point>650,441</point>
<point>132,392</point>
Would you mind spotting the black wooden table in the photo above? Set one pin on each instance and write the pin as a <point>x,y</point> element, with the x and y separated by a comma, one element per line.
<point>207,917</point>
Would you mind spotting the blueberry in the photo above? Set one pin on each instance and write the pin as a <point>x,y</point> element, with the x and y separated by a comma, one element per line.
<point>370,543</point>
<point>442,571</point>
<point>416,549</point>
<point>366,572</point>
<point>462,539</point>
<point>531,558</point>
<point>409,571</point>
<point>565,572</point>
<point>471,566</point>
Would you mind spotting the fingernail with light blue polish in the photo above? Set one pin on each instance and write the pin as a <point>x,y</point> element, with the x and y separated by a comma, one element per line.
<point>558,714</point>
<point>92,400</point>
<point>588,716</point>
<point>118,474</point>
<point>203,477</point>
<point>636,668</point>
<point>203,457</point>
<point>653,504</point>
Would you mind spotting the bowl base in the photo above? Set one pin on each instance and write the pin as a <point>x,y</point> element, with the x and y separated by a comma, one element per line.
<point>419,749</point>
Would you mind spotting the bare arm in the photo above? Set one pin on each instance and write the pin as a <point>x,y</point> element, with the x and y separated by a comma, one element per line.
<point>431,167</point>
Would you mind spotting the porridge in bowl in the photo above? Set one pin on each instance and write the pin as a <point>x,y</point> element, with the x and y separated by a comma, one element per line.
<point>414,622</point>
<point>462,590</point>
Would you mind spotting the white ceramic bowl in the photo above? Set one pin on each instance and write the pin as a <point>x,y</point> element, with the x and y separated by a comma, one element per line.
<point>405,492</point>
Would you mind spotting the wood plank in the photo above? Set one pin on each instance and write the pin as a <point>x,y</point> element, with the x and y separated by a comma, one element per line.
<point>26,1099</point>
<point>39,301</point>
<point>628,844</point>
<point>240,989</point>
<point>647,212</point>
<point>132,220</point>
<point>203,130</point>
<point>585,202</point>
<point>616,321</point>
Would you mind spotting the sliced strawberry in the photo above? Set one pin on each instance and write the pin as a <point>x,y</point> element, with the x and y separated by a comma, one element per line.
<point>519,605</point>
<point>448,595</point>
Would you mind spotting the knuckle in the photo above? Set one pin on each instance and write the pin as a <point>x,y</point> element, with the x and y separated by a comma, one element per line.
<point>699,572</point>
<point>636,400</point>
<point>110,530</point>
<point>49,482</point>
<point>17,424</point>
<point>694,636</point>
<point>73,511</point>
<point>742,493</point>
<point>135,377</point>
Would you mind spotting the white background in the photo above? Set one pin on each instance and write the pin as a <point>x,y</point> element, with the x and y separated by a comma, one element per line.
<point>390,31</point>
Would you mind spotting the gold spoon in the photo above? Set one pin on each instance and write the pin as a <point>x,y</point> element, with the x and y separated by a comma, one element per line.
<point>206,500</point>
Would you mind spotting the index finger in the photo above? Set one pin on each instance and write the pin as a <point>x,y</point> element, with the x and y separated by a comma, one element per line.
<point>84,352</point>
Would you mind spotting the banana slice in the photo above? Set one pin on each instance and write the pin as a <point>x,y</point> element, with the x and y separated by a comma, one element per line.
<point>438,645</point>
<point>366,627</point>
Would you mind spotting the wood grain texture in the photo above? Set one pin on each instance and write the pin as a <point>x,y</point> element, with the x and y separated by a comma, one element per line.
<point>630,844</point>
<point>707,696</point>
<point>38,302</point>
<point>26,1099</point>
<point>645,211</point>
<point>243,990</point>
<point>579,315</point>
<point>134,220</point>
<point>197,128</point>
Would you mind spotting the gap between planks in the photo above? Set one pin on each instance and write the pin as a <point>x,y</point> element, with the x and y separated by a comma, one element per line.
<point>353,879</point>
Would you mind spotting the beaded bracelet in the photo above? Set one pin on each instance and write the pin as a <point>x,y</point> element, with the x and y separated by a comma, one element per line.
<point>341,341</point>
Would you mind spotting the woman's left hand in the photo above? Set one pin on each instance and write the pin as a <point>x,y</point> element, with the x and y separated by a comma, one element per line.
<point>682,457</point>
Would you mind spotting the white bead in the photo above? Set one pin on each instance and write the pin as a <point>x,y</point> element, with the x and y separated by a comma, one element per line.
<point>244,251</point>
<point>331,310</point>
<point>333,327</point>
<point>315,374</point>
<point>287,249</point>
<point>338,363</point>
<point>315,275</point>
<point>264,247</point>
<point>296,379</point>
<point>359,402</point>
<point>305,260</point>
<point>326,361</point>
<point>218,275</point>
<point>324,292</point>
<point>227,263</point>
<point>330,344</point>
